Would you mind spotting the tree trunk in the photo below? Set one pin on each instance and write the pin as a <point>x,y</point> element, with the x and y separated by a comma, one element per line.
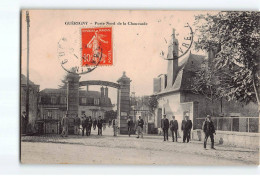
<point>256,92</point>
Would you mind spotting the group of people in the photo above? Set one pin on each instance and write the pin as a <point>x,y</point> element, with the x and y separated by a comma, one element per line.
<point>186,126</point>
<point>85,123</point>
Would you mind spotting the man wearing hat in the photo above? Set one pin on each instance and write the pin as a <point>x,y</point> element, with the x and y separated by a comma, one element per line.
<point>174,126</point>
<point>209,130</point>
<point>165,127</point>
<point>76,124</point>
<point>65,125</point>
<point>24,122</point>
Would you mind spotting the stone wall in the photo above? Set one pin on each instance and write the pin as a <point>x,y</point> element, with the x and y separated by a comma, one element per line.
<point>237,139</point>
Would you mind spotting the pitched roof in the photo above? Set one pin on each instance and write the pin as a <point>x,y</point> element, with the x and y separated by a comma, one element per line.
<point>24,80</point>
<point>187,67</point>
<point>94,94</point>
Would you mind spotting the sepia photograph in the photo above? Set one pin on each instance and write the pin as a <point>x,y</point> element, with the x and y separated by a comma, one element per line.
<point>139,87</point>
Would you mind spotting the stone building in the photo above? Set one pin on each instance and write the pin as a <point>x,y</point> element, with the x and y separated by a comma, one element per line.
<point>33,102</point>
<point>175,97</point>
<point>53,106</point>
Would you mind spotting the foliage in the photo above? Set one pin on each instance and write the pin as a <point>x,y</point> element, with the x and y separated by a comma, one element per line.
<point>109,115</point>
<point>235,37</point>
<point>152,103</point>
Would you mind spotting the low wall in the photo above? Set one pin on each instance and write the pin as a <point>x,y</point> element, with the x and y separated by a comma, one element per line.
<point>238,139</point>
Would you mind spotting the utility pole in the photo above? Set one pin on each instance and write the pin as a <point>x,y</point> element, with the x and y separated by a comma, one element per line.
<point>27,83</point>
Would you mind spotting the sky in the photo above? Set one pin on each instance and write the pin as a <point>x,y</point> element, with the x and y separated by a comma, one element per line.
<point>136,48</point>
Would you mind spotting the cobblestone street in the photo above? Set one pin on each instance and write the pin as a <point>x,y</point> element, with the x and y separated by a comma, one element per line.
<point>108,149</point>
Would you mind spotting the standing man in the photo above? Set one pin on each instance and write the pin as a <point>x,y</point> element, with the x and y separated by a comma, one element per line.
<point>65,125</point>
<point>188,127</point>
<point>165,127</point>
<point>99,125</point>
<point>183,126</point>
<point>208,129</point>
<point>84,124</point>
<point>24,122</point>
<point>89,124</point>
<point>94,123</point>
<point>174,128</point>
<point>76,124</point>
<point>115,126</point>
<point>140,125</point>
<point>129,125</point>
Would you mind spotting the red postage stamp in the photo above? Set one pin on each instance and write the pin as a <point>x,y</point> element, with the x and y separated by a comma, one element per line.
<point>97,46</point>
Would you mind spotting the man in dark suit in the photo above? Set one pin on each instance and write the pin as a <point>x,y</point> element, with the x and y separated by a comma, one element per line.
<point>209,131</point>
<point>165,127</point>
<point>99,125</point>
<point>174,128</point>
<point>188,127</point>
<point>84,124</point>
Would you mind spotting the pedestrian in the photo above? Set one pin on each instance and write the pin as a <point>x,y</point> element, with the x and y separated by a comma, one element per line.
<point>115,126</point>
<point>99,125</point>
<point>140,125</point>
<point>165,127</point>
<point>94,123</point>
<point>129,125</point>
<point>24,122</point>
<point>209,131</point>
<point>76,124</point>
<point>65,125</point>
<point>174,128</point>
<point>89,125</point>
<point>186,126</point>
<point>183,124</point>
<point>109,123</point>
<point>84,124</point>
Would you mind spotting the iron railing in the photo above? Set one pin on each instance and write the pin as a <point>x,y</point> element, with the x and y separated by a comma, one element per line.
<point>238,124</point>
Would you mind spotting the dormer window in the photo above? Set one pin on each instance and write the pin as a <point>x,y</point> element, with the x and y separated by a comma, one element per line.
<point>53,100</point>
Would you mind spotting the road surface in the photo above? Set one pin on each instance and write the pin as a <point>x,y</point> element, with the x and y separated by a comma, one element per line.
<point>107,149</point>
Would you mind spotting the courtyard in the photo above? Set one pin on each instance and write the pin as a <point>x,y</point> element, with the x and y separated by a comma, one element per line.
<point>107,149</point>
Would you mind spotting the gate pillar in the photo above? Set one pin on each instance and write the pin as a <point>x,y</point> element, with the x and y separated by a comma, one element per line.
<point>123,102</point>
<point>72,98</point>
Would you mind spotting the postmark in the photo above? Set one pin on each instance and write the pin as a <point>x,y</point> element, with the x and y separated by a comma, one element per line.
<point>185,38</point>
<point>69,55</point>
<point>97,41</point>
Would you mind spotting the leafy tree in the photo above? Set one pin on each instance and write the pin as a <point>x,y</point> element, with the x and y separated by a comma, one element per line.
<point>109,115</point>
<point>152,103</point>
<point>235,37</point>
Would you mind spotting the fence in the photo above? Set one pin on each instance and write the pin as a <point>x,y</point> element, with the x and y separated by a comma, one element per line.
<point>238,124</point>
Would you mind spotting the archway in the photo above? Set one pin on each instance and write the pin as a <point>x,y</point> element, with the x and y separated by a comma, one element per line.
<point>123,96</point>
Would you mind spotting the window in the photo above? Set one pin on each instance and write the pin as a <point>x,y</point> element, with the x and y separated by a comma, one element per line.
<point>49,114</point>
<point>63,100</point>
<point>96,101</point>
<point>165,81</point>
<point>53,100</point>
<point>84,100</point>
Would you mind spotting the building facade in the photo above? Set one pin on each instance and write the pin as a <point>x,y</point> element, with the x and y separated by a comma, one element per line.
<point>33,102</point>
<point>53,107</point>
<point>175,96</point>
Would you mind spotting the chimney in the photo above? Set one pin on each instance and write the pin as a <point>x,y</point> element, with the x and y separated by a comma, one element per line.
<point>102,92</point>
<point>172,69</point>
<point>106,92</point>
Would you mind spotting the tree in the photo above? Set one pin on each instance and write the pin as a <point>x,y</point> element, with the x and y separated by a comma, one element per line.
<point>235,36</point>
<point>206,82</point>
<point>152,103</point>
<point>109,115</point>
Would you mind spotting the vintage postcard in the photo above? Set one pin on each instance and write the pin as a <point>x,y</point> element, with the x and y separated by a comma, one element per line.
<point>139,87</point>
